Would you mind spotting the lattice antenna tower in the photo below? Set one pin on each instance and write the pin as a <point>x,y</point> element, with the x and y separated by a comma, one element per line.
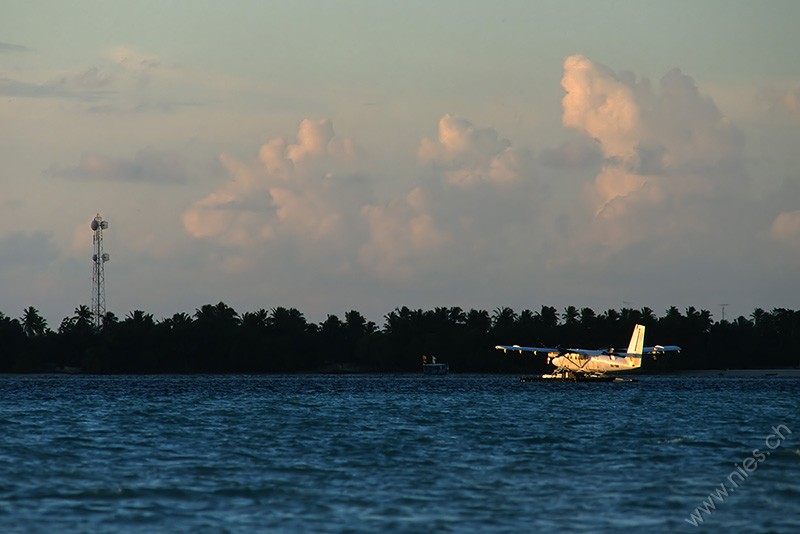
<point>99,258</point>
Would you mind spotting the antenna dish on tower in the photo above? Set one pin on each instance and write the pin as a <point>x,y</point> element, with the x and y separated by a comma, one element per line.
<point>99,258</point>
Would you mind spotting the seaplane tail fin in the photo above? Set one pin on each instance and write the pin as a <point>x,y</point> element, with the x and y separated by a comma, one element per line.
<point>637,341</point>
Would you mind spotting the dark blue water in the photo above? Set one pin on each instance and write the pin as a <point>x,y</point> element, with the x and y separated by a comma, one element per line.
<point>396,454</point>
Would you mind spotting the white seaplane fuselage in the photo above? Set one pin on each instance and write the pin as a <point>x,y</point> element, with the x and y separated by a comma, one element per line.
<point>599,363</point>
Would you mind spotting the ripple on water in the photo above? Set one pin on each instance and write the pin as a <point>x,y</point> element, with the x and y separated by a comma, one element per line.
<point>366,453</point>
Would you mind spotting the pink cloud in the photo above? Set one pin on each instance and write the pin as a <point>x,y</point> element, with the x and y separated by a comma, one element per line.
<point>470,155</point>
<point>298,190</point>
<point>668,152</point>
<point>786,228</point>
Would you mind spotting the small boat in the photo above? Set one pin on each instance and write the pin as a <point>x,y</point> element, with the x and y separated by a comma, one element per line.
<point>434,368</point>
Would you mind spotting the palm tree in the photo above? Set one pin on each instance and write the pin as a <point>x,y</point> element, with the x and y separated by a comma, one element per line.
<point>179,321</point>
<point>288,321</point>
<point>255,320</point>
<point>139,318</point>
<point>13,339</point>
<point>398,322</point>
<point>549,316</point>
<point>83,316</point>
<point>478,321</point>
<point>570,316</point>
<point>503,318</point>
<point>109,320</point>
<point>332,327</point>
<point>457,315</point>
<point>648,317</point>
<point>33,324</point>
<point>357,325</point>
<point>630,316</point>
<point>220,315</point>
<point>82,321</point>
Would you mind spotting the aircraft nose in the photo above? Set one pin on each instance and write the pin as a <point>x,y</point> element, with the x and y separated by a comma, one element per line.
<point>557,361</point>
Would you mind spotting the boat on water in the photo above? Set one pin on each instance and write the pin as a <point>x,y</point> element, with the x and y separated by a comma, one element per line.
<point>434,368</point>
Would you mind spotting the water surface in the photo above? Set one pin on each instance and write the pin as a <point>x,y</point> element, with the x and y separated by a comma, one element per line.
<point>395,454</point>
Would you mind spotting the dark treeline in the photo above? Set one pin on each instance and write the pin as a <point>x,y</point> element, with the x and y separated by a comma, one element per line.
<point>217,339</point>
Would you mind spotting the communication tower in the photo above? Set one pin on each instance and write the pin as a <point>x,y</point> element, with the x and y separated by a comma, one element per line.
<point>99,258</point>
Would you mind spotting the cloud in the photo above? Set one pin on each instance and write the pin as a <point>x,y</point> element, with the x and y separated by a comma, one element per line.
<point>672,203</point>
<point>578,153</point>
<point>90,85</point>
<point>786,228</point>
<point>134,60</point>
<point>10,47</point>
<point>64,88</point>
<point>315,141</point>
<point>125,81</point>
<point>470,155</point>
<point>307,199</point>
<point>147,165</point>
<point>92,78</point>
<point>305,191</point>
<point>672,131</point>
<point>399,233</point>
<point>478,201</point>
<point>664,149</point>
<point>150,84</point>
<point>782,103</point>
<point>603,105</point>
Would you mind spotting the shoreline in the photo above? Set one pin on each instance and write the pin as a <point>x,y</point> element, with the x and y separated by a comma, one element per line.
<point>790,372</point>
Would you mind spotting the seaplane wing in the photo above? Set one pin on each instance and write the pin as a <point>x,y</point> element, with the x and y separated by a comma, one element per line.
<point>547,350</point>
<point>519,348</point>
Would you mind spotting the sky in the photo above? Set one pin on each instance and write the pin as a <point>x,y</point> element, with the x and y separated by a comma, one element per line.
<point>368,155</point>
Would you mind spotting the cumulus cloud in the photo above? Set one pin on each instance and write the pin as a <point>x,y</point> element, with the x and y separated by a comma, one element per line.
<point>306,190</point>
<point>316,141</point>
<point>675,130</point>
<point>147,165</point>
<point>578,153</point>
<point>399,233</point>
<point>672,203</point>
<point>470,155</point>
<point>477,201</point>
<point>306,198</point>
<point>603,105</point>
<point>665,149</point>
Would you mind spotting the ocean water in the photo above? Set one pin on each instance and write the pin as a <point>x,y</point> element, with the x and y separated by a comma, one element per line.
<point>397,454</point>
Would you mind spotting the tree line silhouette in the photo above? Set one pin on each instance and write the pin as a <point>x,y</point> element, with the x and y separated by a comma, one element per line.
<point>217,339</point>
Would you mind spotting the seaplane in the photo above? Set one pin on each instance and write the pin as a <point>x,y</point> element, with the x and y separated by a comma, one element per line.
<point>593,365</point>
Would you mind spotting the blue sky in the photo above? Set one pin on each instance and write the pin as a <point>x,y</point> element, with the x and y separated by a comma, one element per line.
<point>368,155</point>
